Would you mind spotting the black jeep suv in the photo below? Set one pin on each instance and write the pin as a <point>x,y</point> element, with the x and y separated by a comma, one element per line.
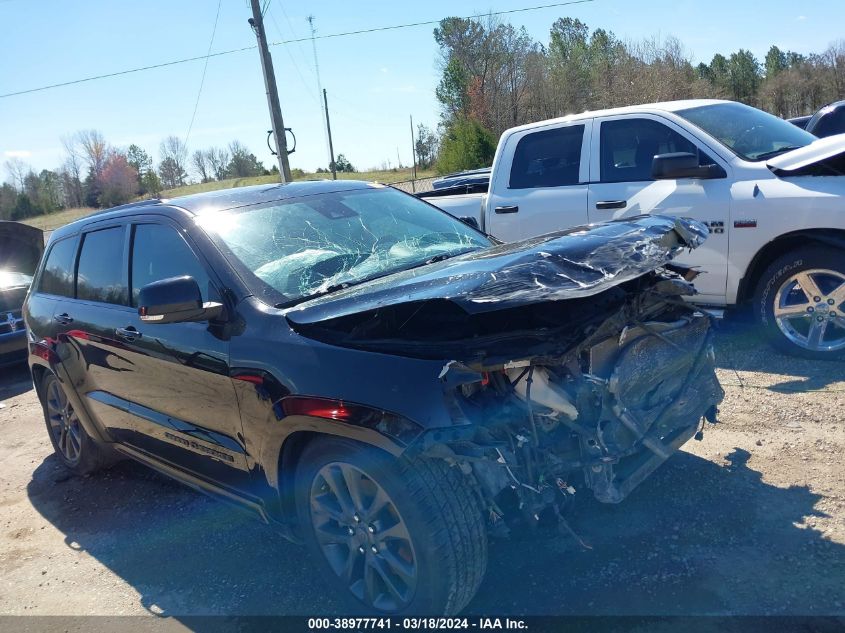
<point>368,373</point>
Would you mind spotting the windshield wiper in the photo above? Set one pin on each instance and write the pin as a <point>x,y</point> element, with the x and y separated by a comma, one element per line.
<point>438,258</point>
<point>777,152</point>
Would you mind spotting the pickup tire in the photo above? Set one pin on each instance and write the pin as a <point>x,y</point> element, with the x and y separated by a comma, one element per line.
<point>424,551</point>
<point>800,303</point>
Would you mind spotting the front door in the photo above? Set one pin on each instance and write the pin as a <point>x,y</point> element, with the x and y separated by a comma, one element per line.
<point>622,151</point>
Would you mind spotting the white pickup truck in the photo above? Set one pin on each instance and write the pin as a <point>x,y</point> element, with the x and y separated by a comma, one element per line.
<point>770,193</point>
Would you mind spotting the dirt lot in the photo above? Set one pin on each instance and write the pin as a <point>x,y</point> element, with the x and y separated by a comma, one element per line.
<point>751,520</point>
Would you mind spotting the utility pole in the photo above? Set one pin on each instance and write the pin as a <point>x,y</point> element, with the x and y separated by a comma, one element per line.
<point>413,147</point>
<point>257,24</point>
<point>329,131</point>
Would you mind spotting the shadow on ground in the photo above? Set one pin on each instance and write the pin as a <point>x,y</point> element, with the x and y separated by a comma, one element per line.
<point>695,538</point>
<point>741,347</point>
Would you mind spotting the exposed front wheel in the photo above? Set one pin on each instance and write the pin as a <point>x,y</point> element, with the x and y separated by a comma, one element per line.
<point>398,536</point>
<point>800,302</point>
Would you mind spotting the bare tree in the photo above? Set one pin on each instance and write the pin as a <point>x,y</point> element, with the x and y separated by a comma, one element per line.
<point>94,149</point>
<point>200,160</point>
<point>71,172</point>
<point>18,171</point>
<point>218,159</point>
<point>174,154</point>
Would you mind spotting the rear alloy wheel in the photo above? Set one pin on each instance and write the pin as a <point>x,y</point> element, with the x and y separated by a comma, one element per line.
<point>73,446</point>
<point>397,535</point>
<point>801,302</point>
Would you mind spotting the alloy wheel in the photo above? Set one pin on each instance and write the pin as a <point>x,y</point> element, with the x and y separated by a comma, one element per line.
<point>64,423</point>
<point>809,310</point>
<point>363,536</point>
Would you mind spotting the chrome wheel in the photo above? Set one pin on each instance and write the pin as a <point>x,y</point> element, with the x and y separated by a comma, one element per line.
<point>363,536</point>
<point>809,310</point>
<point>64,423</point>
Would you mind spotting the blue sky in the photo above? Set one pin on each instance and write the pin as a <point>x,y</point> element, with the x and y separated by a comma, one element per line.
<point>374,81</point>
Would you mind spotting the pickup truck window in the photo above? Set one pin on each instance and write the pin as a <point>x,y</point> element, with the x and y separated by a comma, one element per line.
<point>550,158</point>
<point>629,145</point>
<point>748,132</point>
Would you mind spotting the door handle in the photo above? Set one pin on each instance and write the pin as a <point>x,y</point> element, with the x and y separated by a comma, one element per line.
<point>128,334</point>
<point>513,209</point>
<point>63,319</point>
<point>611,204</point>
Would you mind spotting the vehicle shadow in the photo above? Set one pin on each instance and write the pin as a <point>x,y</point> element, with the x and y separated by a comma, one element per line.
<point>14,380</point>
<point>695,538</point>
<point>740,347</point>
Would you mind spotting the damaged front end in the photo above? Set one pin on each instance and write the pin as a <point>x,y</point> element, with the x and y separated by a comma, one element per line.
<point>573,358</point>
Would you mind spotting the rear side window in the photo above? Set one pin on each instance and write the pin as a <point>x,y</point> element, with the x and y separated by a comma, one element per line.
<point>628,147</point>
<point>550,158</point>
<point>159,252</point>
<point>57,278</point>
<point>99,276</point>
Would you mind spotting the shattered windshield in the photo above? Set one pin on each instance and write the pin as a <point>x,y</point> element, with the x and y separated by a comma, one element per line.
<point>319,243</point>
<point>750,133</point>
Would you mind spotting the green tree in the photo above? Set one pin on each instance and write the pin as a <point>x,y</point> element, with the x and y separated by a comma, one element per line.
<point>242,163</point>
<point>342,164</point>
<point>465,145</point>
<point>776,61</point>
<point>744,76</point>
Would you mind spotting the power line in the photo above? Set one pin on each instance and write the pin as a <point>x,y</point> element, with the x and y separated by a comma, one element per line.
<point>283,42</point>
<point>204,69</point>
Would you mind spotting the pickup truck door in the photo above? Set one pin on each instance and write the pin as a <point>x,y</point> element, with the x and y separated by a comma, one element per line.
<point>542,184</point>
<point>621,185</point>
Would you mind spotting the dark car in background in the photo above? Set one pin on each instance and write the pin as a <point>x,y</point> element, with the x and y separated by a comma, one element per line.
<point>20,249</point>
<point>828,121</point>
<point>369,374</point>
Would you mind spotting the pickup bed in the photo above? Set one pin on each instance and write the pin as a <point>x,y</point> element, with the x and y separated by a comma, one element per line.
<point>770,194</point>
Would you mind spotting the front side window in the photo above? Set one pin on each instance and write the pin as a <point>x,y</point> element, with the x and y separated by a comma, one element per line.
<point>628,148</point>
<point>99,276</point>
<point>159,252</point>
<point>550,158</point>
<point>57,277</point>
<point>748,132</point>
<point>301,247</point>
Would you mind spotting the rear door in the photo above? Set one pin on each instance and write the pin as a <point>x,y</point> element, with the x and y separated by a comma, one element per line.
<point>546,188</point>
<point>622,186</point>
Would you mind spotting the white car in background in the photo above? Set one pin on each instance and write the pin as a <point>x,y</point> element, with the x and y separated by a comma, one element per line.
<point>770,193</point>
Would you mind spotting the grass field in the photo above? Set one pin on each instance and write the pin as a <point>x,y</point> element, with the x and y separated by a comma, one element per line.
<point>60,218</point>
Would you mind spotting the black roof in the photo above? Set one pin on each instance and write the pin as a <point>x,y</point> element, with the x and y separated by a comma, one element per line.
<point>220,199</point>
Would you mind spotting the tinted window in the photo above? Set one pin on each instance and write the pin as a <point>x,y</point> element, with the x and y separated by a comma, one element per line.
<point>57,278</point>
<point>551,158</point>
<point>159,252</point>
<point>628,147</point>
<point>99,276</point>
<point>829,121</point>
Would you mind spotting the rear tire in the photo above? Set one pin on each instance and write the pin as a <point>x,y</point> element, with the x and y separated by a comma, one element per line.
<point>800,303</point>
<point>427,539</point>
<point>76,450</point>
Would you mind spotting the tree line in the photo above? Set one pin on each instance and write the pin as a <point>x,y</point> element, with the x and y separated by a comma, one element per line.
<point>97,174</point>
<point>495,76</point>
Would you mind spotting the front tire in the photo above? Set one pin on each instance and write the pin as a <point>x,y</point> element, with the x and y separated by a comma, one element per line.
<point>400,536</point>
<point>800,303</point>
<point>76,450</point>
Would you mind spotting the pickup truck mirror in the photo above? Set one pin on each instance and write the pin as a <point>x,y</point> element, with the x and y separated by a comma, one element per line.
<point>471,221</point>
<point>175,300</point>
<point>682,165</point>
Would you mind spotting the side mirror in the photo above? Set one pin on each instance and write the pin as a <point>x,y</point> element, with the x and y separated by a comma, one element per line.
<point>471,221</point>
<point>175,300</point>
<point>683,165</point>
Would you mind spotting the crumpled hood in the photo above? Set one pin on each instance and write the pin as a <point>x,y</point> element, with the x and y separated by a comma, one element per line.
<point>815,152</point>
<point>21,246</point>
<point>580,262</point>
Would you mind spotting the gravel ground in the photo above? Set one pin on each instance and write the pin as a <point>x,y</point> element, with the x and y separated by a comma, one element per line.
<point>751,520</point>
